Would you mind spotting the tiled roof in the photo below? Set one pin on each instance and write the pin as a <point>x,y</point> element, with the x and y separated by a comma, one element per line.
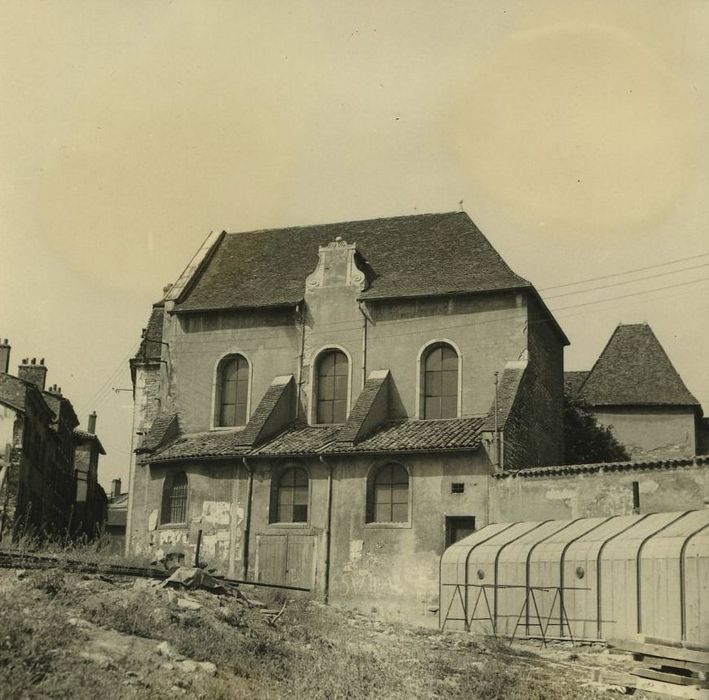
<point>269,267</point>
<point>633,370</point>
<point>570,469</point>
<point>506,394</point>
<point>91,437</point>
<point>419,435</point>
<point>367,399</point>
<point>151,343</point>
<point>573,382</point>
<point>12,392</point>
<point>254,431</point>
<point>164,427</point>
<point>216,443</point>
<point>300,440</point>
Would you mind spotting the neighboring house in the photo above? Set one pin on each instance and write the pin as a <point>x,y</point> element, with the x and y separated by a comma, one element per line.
<point>323,406</point>
<point>116,517</point>
<point>37,483</point>
<point>90,502</point>
<point>634,387</point>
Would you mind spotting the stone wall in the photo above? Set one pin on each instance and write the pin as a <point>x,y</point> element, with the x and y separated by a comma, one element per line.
<point>579,492</point>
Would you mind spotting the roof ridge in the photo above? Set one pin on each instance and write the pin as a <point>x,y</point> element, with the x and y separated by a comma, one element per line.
<point>345,223</point>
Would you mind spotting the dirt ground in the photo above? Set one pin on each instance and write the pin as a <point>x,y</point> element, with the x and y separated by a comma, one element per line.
<point>66,635</point>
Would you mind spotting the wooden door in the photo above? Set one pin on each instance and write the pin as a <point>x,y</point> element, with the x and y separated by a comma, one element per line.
<point>285,560</point>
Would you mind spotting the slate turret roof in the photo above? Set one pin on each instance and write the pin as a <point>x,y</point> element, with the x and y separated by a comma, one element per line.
<point>634,370</point>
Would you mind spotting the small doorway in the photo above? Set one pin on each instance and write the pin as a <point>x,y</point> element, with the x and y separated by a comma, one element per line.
<point>458,527</point>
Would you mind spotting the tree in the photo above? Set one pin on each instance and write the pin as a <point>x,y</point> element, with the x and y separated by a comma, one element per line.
<point>585,441</point>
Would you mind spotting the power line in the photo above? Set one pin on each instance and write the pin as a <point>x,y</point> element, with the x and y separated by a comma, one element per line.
<point>637,279</point>
<point>632,294</point>
<point>626,272</point>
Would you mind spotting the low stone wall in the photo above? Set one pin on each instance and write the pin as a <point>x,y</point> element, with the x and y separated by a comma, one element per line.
<point>599,490</point>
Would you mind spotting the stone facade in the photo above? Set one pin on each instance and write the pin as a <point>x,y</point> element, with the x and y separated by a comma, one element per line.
<point>339,551</point>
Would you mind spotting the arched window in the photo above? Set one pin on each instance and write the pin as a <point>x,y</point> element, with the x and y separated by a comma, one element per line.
<point>291,497</point>
<point>174,498</point>
<point>232,391</point>
<point>440,382</point>
<point>389,495</point>
<point>332,380</point>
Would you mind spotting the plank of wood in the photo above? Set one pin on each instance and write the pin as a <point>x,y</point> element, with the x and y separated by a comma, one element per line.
<point>664,652</point>
<point>669,677</point>
<point>686,692</point>
<point>655,661</point>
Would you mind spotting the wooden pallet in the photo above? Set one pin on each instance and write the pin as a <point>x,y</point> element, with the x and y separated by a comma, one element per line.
<point>669,669</point>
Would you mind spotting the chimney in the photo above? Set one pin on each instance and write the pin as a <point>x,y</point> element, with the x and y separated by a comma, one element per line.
<point>92,423</point>
<point>4,356</point>
<point>34,372</point>
<point>56,390</point>
<point>115,488</point>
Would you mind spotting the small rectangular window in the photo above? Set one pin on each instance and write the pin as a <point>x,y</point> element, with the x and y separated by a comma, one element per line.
<point>457,487</point>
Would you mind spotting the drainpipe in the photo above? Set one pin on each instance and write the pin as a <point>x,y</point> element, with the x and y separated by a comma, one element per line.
<point>497,430</point>
<point>247,524</point>
<point>301,317</point>
<point>364,342</point>
<point>328,530</point>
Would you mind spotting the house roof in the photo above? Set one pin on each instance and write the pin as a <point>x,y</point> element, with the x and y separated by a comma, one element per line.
<point>507,390</point>
<point>300,439</point>
<point>268,268</point>
<point>218,443</point>
<point>12,392</point>
<point>83,435</point>
<point>573,381</point>
<point>634,370</point>
<point>419,436</point>
<point>164,426</point>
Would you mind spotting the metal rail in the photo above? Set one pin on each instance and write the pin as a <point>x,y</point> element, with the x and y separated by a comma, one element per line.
<point>23,560</point>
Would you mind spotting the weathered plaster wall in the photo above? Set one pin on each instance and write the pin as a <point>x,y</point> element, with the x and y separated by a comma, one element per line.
<point>212,506</point>
<point>391,567</point>
<point>488,330</point>
<point>269,340</point>
<point>607,493</point>
<point>652,433</point>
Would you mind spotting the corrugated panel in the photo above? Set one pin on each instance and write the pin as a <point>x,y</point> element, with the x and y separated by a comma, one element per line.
<point>617,577</point>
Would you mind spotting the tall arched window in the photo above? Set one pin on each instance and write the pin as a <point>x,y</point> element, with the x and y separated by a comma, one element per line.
<point>232,391</point>
<point>389,495</point>
<point>332,385</point>
<point>174,498</point>
<point>291,497</point>
<point>440,382</point>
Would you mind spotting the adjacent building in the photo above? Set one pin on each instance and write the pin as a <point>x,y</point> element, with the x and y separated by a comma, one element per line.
<point>635,389</point>
<point>38,435</point>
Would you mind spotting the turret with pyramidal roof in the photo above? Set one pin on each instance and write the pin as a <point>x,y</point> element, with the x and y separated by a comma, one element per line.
<point>635,388</point>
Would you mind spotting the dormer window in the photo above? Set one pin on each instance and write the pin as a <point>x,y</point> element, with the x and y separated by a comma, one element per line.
<point>332,379</point>
<point>439,382</point>
<point>232,392</point>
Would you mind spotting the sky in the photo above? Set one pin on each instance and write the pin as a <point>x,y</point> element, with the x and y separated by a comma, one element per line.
<point>575,134</point>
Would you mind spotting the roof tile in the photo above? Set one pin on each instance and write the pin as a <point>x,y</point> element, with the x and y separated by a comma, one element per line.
<point>269,267</point>
<point>634,369</point>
